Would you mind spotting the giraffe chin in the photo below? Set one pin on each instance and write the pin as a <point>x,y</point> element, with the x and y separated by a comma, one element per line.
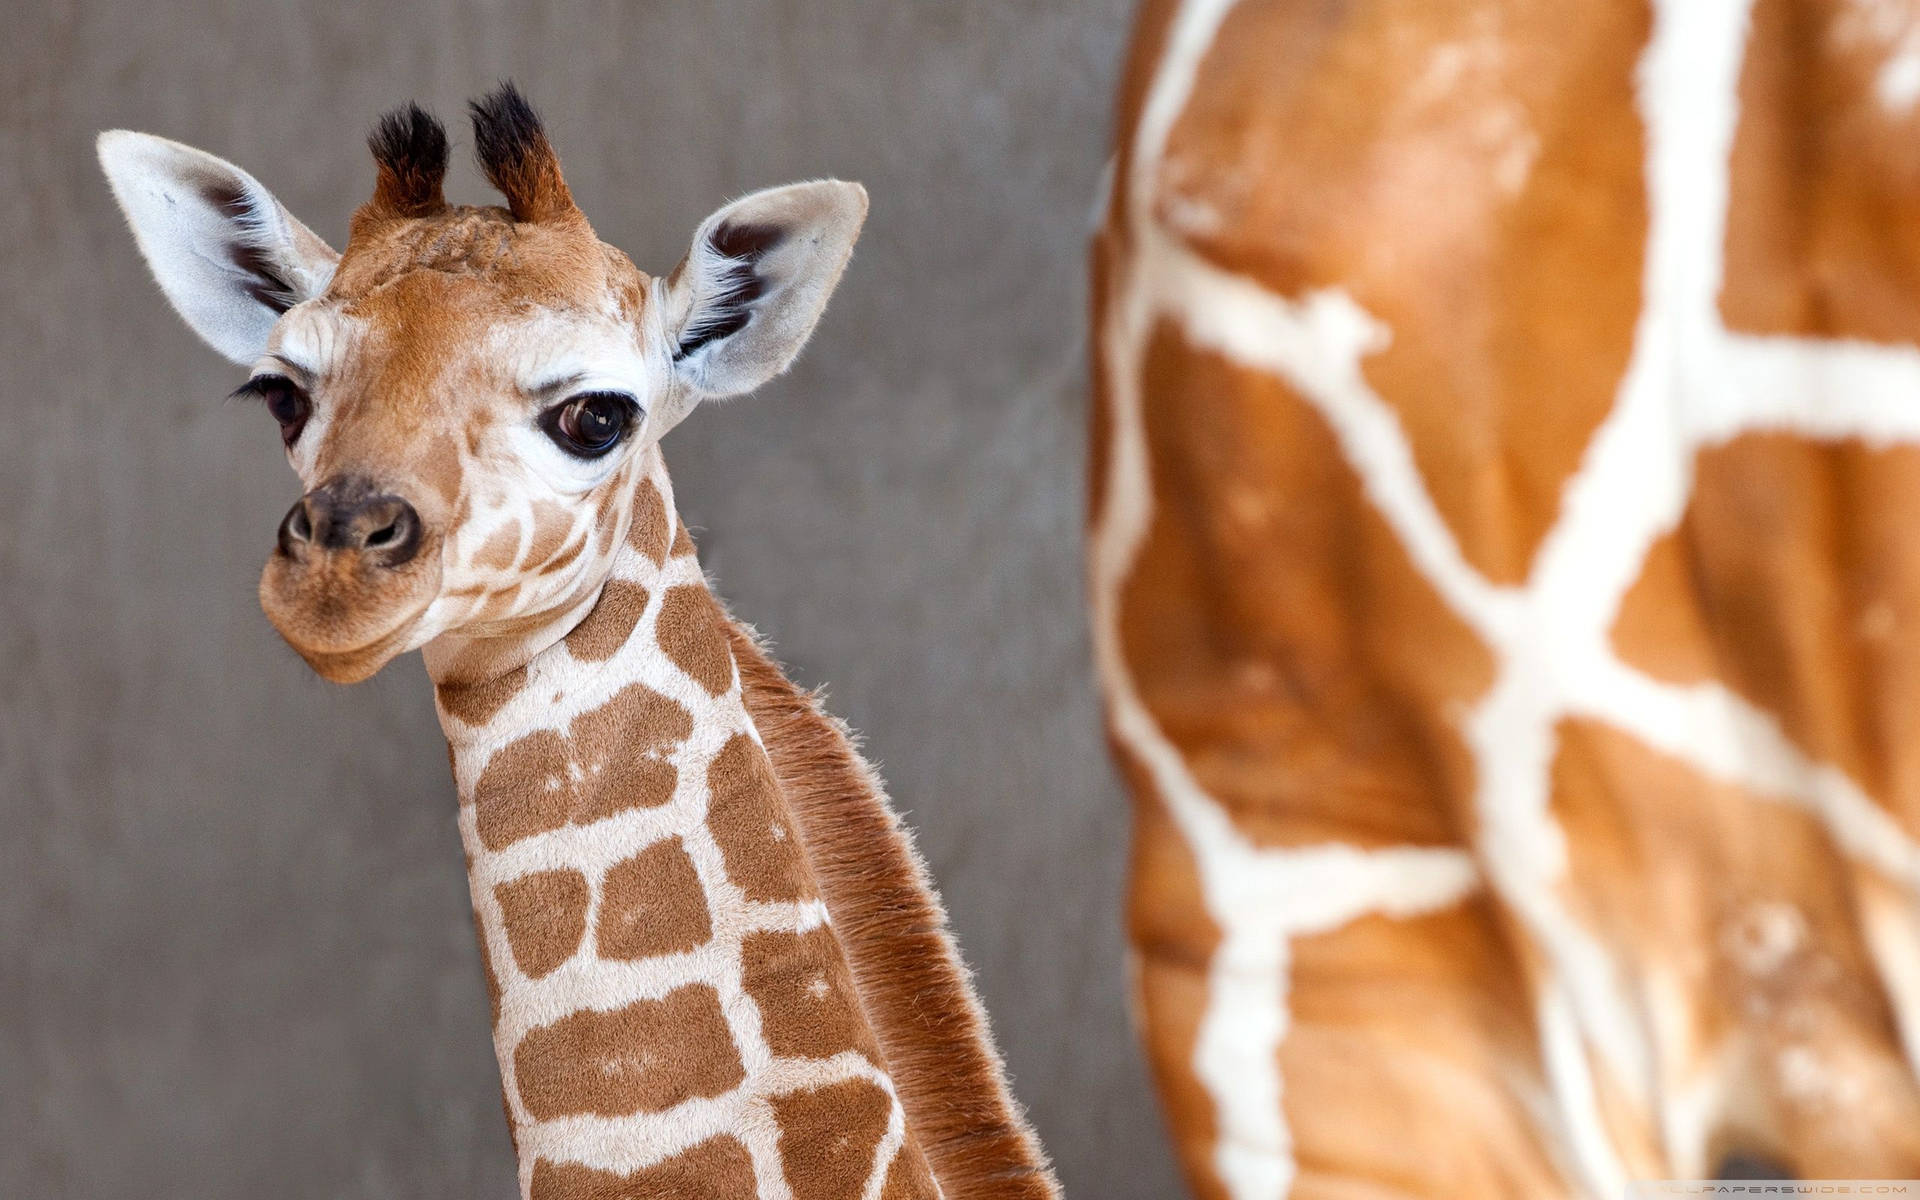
<point>340,631</point>
<point>353,666</point>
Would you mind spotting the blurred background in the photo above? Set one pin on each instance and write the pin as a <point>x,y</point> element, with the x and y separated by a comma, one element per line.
<point>236,950</point>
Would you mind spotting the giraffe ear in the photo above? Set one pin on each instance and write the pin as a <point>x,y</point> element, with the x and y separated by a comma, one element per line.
<point>225,252</point>
<point>748,294</point>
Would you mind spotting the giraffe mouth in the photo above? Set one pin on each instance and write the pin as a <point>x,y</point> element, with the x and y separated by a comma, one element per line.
<point>347,626</point>
<point>361,662</point>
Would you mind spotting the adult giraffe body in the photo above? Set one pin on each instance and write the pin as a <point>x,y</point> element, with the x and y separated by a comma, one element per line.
<point>717,967</point>
<point>1507,589</point>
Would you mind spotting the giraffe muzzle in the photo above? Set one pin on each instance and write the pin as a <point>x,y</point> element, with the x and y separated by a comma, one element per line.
<point>352,573</point>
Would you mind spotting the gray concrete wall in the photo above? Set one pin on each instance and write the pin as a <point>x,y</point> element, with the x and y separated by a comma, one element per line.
<point>236,958</point>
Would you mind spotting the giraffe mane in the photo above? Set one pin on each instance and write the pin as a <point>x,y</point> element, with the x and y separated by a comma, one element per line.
<point>916,993</point>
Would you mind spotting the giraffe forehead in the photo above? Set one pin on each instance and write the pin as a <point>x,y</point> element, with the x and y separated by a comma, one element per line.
<point>434,328</point>
<point>554,263</point>
<point>465,241</point>
<point>455,313</point>
<point>398,374</point>
<point>430,348</point>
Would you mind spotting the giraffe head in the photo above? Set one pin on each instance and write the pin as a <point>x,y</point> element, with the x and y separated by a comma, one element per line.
<point>471,396</point>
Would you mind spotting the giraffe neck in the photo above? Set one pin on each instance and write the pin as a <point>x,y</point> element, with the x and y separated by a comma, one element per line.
<point>672,1008</point>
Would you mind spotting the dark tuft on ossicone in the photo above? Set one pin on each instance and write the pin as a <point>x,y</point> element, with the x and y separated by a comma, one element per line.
<point>410,152</point>
<point>516,157</point>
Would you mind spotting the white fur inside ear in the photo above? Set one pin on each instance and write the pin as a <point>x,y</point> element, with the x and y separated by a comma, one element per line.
<point>226,253</point>
<point>750,291</point>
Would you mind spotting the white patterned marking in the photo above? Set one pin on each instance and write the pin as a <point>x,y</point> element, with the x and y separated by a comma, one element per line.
<point>559,690</point>
<point>1690,383</point>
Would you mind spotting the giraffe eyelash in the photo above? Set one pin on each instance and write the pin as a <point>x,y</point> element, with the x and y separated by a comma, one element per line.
<point>258,387</point>
<point>286,400</point>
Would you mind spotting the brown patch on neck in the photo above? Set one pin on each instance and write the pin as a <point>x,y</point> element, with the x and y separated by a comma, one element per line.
<point>828,1137</point>
<point>607,627</point>
<point>475,703</point>
<point>906,969</point>
<point>907,1178</point>
<point>612,759</point>
<point>692,631</point>
<point>652,904</point>
<point>651,530</point>
<point>719,1168</point>
<point>751,828</point>
<point>807,999</point>
<point>646,1057</point>
<point>545,915</point>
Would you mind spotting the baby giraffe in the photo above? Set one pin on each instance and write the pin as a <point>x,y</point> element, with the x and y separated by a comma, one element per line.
<point>717,967</point>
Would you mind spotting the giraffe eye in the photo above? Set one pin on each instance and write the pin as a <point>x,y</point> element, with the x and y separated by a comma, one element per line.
<point>592,423</point>
<point>284,399</point>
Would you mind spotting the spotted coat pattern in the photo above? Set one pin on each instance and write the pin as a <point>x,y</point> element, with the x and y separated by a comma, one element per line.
<point>673,1013</point>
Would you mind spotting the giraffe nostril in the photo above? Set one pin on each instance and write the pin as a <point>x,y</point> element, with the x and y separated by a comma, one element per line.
<point>395,536</point>
<point>296,529</point>
<point>350,517</point>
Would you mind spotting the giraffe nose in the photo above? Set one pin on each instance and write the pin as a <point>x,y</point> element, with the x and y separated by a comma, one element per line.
<point>351,516</point>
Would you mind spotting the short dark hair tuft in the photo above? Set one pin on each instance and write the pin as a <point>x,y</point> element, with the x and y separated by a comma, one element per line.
<point>410,152</point>
<point>516,157</point>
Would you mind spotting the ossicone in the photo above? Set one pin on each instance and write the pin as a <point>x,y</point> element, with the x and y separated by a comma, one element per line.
<point>410,155</point>
<point>516,157</point>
